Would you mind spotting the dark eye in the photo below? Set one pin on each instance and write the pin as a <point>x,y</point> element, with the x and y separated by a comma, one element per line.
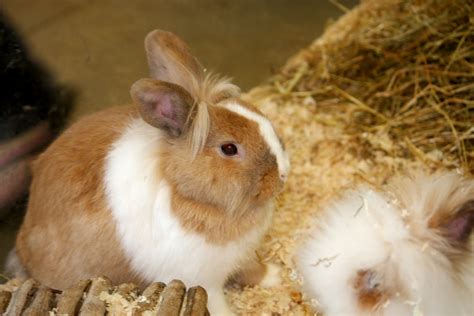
<point>229,149</point>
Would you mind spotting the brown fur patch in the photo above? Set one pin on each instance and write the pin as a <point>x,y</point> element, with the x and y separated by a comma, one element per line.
<point>68,232</point>
<point>370,295</point>
<point>222,197</point>
<point>214,223</point>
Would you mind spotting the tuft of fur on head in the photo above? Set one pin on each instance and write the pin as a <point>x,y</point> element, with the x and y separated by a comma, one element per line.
<point>210,91</point>
<point>395,252</point>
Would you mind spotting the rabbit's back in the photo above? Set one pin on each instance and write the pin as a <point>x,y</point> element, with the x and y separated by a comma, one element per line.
<point>67,232</point>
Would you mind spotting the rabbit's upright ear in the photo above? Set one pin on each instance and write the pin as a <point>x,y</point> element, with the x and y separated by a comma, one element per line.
<point>170,60</point>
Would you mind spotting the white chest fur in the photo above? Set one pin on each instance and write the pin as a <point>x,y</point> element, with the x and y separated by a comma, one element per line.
<point>158,247</point>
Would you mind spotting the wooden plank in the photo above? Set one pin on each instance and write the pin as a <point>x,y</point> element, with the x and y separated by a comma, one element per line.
<point>42,302</point>
<point>172,299</point>
<point>20,297</point>
<point>32,299</point>
<point>195,302</point>
<point>93,305</point>
<point>5,298</point>
<point>152,294</point>
<point>70,301</point>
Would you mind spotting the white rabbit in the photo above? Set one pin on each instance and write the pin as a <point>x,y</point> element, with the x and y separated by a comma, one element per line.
<point>179,185</point>
<point>404,251</point>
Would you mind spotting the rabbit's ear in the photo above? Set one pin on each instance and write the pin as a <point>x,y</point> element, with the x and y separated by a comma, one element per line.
<point>170,60</point>
<point>163,105</point>
<point>458,228</point>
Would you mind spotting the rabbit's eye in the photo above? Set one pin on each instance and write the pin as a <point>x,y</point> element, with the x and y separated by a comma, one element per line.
<point>229,149</point>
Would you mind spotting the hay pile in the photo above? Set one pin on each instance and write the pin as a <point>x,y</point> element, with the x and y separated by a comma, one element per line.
<point>400,72</point>
<point>388,88</point>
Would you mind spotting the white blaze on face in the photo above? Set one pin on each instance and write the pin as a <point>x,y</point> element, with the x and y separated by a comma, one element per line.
<point>268,134</point>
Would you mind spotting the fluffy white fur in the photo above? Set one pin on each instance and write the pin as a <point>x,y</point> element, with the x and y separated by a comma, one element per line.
<point>368,230</point>
<point>268,134</point>
<point>153,239</point>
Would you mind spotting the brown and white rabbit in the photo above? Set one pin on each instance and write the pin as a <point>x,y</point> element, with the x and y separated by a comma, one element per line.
<point>405,251</point>
<point>180,185</point>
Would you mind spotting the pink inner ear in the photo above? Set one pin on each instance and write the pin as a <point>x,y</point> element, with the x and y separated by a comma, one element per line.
<point>163,108</point>
<point>460,227</point>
